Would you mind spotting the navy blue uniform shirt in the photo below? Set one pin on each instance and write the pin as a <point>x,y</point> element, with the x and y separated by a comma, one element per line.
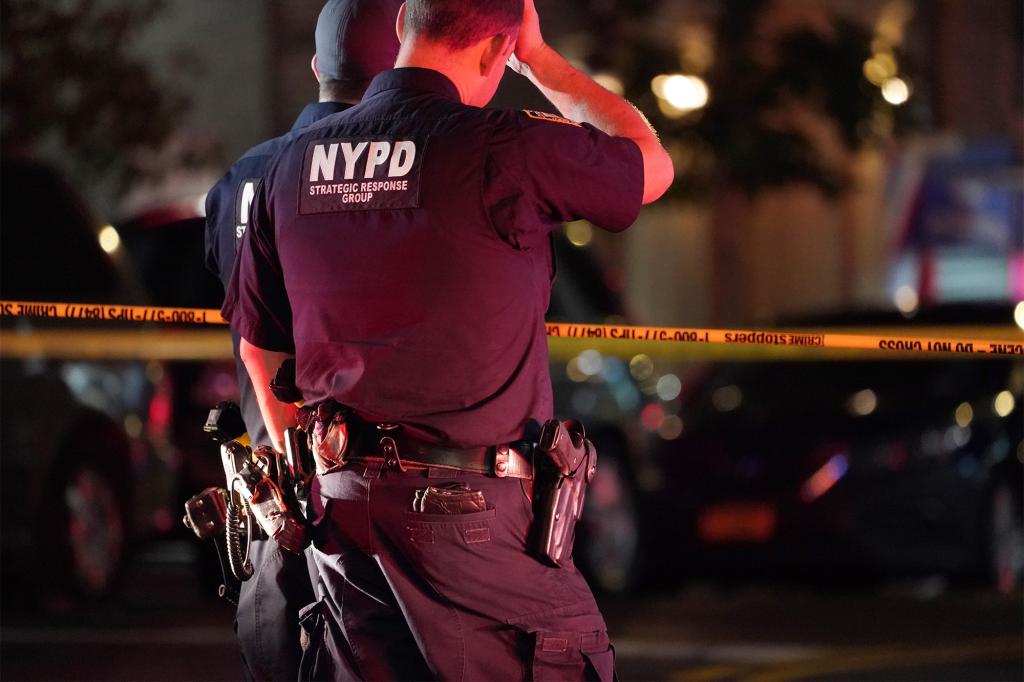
<point>400,248</point>
<point>227,215</point>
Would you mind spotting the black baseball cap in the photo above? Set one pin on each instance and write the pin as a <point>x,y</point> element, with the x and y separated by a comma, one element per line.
<point>356,40</point>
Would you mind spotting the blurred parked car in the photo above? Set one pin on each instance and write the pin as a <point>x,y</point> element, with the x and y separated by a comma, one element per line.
<point>600,391</point>
<point>83,471</point>
<point>864,467</point>
<point>166,249</point>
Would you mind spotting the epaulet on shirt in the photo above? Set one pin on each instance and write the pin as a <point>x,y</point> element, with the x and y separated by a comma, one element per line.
<point>551,118</point>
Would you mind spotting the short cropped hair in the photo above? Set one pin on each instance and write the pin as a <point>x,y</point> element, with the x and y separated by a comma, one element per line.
<point>350,91</point>
<point>461,23</point>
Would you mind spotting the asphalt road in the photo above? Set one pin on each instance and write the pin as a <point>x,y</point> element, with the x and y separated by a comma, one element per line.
<point>160,626</point>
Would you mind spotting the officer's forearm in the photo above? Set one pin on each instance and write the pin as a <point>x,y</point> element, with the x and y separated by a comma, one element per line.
<point>262,365</point>
<point>578,97</point>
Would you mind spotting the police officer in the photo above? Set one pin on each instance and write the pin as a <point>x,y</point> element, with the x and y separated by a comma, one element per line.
<point>400,251</point>
<point>355,40</point>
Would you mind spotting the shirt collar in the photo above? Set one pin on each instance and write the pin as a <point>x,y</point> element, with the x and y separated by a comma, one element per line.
<point>314,112</point>
<point>414,78</point>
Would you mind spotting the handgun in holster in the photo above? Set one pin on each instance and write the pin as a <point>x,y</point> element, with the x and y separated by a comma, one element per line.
<point>324,429</point>
<point>565,463</point>
<point>298,459</point>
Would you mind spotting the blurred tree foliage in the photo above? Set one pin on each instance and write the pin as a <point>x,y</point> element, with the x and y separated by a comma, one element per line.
<point>761,120</point>
<point>74,91</point>
<point>789,111</point>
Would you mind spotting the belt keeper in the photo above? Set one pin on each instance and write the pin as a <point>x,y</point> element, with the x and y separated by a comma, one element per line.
<point>391,456</point>
<point>501,461</point>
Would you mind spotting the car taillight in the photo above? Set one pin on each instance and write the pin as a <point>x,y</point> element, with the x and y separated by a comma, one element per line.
<point>731,522</point>
<point>160,410</point>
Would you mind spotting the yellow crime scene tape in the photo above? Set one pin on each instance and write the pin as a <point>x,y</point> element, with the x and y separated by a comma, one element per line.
<point>103,311</point>
<point>1002,341</point>
<point>809,339</point>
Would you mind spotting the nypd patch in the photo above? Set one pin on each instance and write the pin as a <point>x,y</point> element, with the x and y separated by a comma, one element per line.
<point>360,174</point>
<point>243,204</point>
<point>552,118</point>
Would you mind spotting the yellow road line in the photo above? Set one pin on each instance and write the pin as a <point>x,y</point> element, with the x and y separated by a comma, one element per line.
<point>712,673</point>
<point>866,659</point>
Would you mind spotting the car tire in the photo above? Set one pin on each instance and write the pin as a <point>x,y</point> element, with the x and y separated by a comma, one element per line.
<point>1005,539</point>
<point>608,545</point>
<point>84,532</point>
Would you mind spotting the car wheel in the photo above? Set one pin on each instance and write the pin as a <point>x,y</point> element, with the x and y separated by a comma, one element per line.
<point>1006,540</point>
<point>96,531</point>
<point>84,535</point>
<point>609,528</point>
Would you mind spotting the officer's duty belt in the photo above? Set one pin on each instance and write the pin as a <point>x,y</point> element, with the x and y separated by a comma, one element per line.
<point>399,450</point>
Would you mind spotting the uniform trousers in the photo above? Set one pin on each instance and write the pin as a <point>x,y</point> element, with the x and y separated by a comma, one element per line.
<point>267,618</point>
<point>410,595</point>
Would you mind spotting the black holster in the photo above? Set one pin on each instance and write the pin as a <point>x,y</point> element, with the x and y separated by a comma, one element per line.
<point>565,463</point>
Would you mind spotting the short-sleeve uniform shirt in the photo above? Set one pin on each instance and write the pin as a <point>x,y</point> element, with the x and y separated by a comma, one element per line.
<point>227,217</point>
<point>400,249</point>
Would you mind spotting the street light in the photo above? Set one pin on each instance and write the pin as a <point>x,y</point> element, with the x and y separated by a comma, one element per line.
<point>679,94</point>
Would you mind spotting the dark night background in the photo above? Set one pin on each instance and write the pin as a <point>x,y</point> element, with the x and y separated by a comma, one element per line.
<point>760,514</point>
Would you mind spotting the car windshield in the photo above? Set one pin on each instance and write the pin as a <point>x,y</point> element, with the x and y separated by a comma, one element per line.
<point>50,250</point>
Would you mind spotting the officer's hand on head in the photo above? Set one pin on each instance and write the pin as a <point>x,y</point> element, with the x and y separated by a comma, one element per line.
<point>530,42</point>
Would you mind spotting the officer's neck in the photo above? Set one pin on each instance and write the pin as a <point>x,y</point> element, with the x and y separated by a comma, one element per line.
<point>461,67</point>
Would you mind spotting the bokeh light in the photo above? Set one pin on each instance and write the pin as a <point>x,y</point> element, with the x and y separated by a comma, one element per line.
<point>906,299</point>
<point>579,233</point>
<point>1004,404</point>
<point>110,240</point>
<point>133,425</point>
<point>727,398</point>
<point>896,91</point>
<point>590,362</point>
<point>964,415</point>
<point>668,387</point>
<point>671,427</point>
<point>679,94</point>
<point>863,403</point>
<point>651,416</point>
<point>572,370</point>
<point>880,68</point>
<point>641,367</point>
<point>609,81</point>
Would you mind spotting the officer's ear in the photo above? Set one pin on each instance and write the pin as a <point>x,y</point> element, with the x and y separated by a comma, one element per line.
<point>316,69</point>
<point>400,24</point>
<point>495,54</point>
